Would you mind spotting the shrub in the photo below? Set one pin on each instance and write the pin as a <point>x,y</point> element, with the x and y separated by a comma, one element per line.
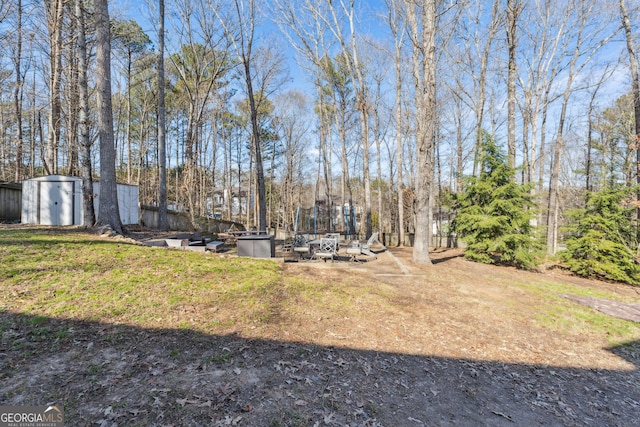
<point>602,236</point>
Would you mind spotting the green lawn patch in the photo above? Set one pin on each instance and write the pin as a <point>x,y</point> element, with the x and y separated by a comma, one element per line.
<point>555,311</point>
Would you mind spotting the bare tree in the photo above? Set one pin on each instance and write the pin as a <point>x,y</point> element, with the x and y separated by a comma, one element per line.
<point>542,63</point>
<point>108,212</point>
<point>396,25</point>
<point>552,219</point>
<point>162,126</point>
<point>587,43</point>
<point>635,80</point>
<point>244,48</point>
<point>17,92</point>
<point>590,130</point>
<point>379,131</point>
<point>356,69</point>
<point>130,42</point>
<point>83,99</point>
<point>71,115</point>
<point>513,12</point>
<point>294,120</point>
<point>338,89</point>
<point>201,60</point>
<point>241,36</point>
<point>306,30</point>
<point>479,32</point>
<point>55,10</point>
<point>422,36</point>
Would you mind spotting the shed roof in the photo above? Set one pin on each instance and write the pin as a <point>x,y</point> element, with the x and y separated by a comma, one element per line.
<point>67,178</point>
<point>11,185</point>
<point>55,178</point>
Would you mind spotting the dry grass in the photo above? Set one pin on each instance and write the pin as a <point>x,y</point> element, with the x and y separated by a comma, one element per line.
<point>150,336</point>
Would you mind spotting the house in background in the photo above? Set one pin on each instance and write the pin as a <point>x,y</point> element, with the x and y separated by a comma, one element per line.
<point>57,200</point>
<point>223,199</point>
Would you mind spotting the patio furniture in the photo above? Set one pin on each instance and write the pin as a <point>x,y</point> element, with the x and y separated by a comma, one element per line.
<point>362,248</point>
<point>302,247</point>
<point>256,246</point>
<point>327,250</point>
<point>214,246</point>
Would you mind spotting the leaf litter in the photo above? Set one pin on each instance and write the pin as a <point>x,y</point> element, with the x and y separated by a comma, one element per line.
<point>460,355</point>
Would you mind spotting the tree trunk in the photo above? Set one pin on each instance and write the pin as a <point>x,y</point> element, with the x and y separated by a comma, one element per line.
<point>228,177</point>
<point>162,126</point>
<point>376,132</point>
<point>554,183</point>
<point>109,214</point>
<point>128,125</point>
<point>366,175</point>
<point>3,147</point>
<point>398,35</point>
<point>589,163</point>
<point>424,74</point>
<point>34,127</point>
<point>325,151</point>
<point>543,139</point>
<point>459,175</point>
<point>482,86</point>
<point>85,139</point>
<point>513,10</point>
<point>272,185</point>
<point>526,165</point>
<point>17,93</point>
<point>636,95</point>
<point>55,11</point>
<point>73,102</point>
<point>257,150</point>
<point>346,190</point>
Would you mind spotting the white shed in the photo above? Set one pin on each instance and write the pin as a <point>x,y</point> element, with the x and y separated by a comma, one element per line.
<point>57,200</point>
<point>127,202</point>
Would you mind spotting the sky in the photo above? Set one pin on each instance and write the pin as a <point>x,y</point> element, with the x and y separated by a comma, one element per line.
<point>138,10</point>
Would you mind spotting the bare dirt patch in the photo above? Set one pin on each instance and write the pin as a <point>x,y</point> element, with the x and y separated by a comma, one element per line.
<point>456,343</point>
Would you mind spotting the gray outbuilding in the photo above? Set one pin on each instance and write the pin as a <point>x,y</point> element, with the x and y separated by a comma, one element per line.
<point>10,201</point>
<point>57,200</point>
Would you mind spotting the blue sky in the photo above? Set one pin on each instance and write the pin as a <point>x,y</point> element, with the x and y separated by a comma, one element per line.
<point>139,11</point>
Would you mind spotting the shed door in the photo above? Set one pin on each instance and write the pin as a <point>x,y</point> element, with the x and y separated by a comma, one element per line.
<point>56,203</point>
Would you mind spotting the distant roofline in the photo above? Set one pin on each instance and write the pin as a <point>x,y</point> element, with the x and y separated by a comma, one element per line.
<point>69,178</point>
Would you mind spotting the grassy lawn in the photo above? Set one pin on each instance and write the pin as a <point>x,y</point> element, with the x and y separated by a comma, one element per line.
<point>80,276</point>
<point>70,274</point>
<point>75,275</point>
<point>558,313</point>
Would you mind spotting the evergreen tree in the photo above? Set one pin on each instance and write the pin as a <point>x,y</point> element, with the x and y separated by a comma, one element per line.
<point>494,213</point>
<point>602,237</point>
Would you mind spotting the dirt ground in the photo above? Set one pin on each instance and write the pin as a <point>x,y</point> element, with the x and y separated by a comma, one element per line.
<point>457,344</point>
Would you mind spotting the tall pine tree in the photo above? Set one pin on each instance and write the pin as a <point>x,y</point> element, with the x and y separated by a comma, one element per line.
<point>494,213</point>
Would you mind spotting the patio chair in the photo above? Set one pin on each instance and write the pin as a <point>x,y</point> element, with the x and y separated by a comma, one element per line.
<point>362,248</point>
<point>302,247</point>
<point>327,250</point>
